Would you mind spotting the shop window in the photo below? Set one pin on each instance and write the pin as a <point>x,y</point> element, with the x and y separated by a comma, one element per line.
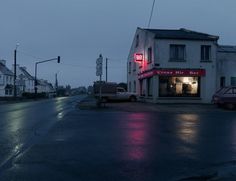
<point>150,55</point>
<point>179,86</point>
<point>177,52</point>
<point>222,81</point>
<point>233,81</point>
<point>149,86</point>
<point>205,53</point>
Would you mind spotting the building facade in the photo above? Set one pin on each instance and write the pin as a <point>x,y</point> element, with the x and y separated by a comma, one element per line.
<point>226,65</point>
<point>172,65</point>
<point>6,80</point>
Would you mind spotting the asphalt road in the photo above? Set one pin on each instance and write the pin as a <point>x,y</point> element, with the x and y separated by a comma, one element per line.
<point>115,144</point>
<point>23,124</point>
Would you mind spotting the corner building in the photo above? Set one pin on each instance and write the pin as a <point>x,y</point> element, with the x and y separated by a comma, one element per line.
<point>172,66</point>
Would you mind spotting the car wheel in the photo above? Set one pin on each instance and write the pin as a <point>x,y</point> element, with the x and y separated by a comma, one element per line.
<point>230,106</point>
<point>133,99</point>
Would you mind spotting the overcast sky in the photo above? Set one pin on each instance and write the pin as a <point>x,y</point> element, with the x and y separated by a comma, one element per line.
<point>79,30</point>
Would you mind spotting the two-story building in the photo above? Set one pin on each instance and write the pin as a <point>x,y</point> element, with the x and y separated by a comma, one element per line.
<point>6,80</point>
<point>172,65</point>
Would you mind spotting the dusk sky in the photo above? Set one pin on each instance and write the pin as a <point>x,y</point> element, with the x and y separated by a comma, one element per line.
<point>79,30</point>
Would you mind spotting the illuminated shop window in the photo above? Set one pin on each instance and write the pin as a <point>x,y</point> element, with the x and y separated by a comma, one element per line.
<point>179,86</point>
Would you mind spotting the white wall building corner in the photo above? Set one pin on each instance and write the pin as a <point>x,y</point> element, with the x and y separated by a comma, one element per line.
<point>178,65</point>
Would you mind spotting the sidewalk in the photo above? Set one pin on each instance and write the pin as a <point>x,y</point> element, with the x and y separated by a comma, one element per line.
<point>89,103</point>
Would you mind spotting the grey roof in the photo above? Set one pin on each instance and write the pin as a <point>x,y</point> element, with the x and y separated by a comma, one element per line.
<point>27,74</point>
<point>227,49</point>
<point>182,34</point>
<point>5,70</point>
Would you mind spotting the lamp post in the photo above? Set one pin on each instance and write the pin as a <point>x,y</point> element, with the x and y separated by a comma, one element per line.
<point>14,83</point>
<point>36,66</point>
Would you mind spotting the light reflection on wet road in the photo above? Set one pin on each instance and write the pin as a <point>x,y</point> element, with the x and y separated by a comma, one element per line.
<point>130,146</point>
<point>21,123</point>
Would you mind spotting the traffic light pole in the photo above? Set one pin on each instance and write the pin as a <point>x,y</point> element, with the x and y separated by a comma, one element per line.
<point>36,66</point>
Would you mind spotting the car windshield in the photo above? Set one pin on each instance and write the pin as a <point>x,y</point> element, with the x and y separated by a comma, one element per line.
<point>221,90</point>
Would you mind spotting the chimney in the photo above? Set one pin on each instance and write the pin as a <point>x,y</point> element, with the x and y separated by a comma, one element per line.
<point>3,62</point>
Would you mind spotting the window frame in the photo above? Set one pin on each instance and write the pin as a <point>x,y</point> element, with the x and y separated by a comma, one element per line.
<point>176,49</point>
<point>149,55</point>
<point>203,53</point>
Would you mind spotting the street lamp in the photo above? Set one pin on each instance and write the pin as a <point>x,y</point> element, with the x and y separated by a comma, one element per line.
<point>36,66</point>
<point>14,83</point>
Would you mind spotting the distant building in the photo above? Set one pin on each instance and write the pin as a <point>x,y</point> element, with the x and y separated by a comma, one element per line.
<point>226,65</point>
<point>6,80</point>
<point>24,81</point>
<point>172,65</point>
<point>43,86</point>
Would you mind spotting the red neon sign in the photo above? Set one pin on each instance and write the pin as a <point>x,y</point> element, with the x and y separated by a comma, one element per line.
<point>138,57</point>
<point>172,72</point>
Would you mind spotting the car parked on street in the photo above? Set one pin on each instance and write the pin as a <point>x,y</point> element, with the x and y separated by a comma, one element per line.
<point>225,97</point>
<point>112,92</point>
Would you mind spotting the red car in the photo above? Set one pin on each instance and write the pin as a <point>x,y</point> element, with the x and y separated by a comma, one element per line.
<point>226,97</point>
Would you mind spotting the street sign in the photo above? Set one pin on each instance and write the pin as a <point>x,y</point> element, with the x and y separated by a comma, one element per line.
<point>99,66</point>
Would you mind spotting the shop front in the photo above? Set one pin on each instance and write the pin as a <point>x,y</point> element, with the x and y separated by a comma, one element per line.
<point>173,83</point>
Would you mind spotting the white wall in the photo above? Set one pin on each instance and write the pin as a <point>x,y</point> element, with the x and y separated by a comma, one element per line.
<point>193,61</point>
<point>226,67</point>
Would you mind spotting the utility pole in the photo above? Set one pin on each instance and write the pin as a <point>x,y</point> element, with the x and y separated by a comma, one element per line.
<point>106,69</point>
<point>14,83</point>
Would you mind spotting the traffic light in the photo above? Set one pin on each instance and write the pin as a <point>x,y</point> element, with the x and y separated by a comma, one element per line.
<point>58,59</point>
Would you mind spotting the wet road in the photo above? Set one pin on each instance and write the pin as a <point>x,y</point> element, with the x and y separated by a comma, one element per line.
<point>100,145</point>
<point>23,124</point>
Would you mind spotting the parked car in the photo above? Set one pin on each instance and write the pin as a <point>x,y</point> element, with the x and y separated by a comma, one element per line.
<point>112,92</point>
<point>226,97</point>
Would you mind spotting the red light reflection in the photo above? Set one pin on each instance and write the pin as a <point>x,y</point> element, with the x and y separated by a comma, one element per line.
<point>136,136</point>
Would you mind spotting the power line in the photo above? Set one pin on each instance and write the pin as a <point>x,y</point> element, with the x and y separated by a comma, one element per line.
<point>150,18</point>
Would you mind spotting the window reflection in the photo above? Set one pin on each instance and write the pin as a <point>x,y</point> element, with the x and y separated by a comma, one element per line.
<point>179,87</point>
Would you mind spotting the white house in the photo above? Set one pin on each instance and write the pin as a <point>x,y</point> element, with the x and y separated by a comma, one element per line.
<point>172,65</point>
<point>226,64</point>
<point>43,86</point>
<point>6,80</point>
<point>24,81</point>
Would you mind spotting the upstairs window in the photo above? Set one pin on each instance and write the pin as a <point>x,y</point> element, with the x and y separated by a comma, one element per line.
<point>205,53</point>
<point>149,55</point>
<point>129,68</point>
<point>137,41</point>
<point>177,52</point>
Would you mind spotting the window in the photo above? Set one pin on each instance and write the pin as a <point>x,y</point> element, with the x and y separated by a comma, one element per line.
<point>6,91</point>
<point>233,81</point>
<point>179,86</point>
<point>150,55</point>
<point>149,86</point>
<point>222,81</point>
<point>141,88</point>
<point>134,86</point>
<point>177,52</point>
<point>205,53</point>
<point>129,68</point>
<point>137,41</point>
<point>134,67</point>
<point>130,87</point>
